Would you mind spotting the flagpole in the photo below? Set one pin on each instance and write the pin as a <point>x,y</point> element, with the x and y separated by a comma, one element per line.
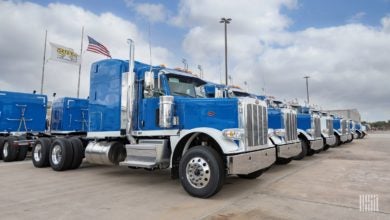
<point>44,62</point>
<point>81,52</point>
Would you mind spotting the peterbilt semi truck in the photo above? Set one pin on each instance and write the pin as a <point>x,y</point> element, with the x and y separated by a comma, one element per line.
<point>22,116</point>
<point>309,131</point>
<point>282,122</point>
<point>154,117</point>
<point>327,132</point>
<point>69,118</point>
<point>23,124</point>
<point>340,130</point>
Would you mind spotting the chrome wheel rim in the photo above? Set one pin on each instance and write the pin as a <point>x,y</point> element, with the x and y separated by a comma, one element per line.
<point>5,149</point>
<point>56,154</point>
<point>38,152</point>
<point>198,172</point>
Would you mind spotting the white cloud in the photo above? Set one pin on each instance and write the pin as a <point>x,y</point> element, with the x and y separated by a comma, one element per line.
<point>356,18</point>
<point>154,12</point>
<point>348,64</point>
<point>23,25</point>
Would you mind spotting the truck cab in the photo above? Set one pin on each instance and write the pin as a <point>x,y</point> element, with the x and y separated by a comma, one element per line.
<point>327,132</point>
<point>153,117</point>
<point>340,130</point>
<point>282,130</point>
<point>309,130</point>
<point>282,122</point>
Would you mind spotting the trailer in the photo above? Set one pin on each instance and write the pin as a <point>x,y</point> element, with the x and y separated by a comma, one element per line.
<point>22,117</point>
<point>153,117</point>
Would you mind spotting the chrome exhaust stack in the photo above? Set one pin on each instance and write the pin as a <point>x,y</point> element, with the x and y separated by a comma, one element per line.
<point>130,93</point>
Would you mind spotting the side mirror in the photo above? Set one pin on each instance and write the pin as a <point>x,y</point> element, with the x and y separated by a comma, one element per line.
<point>149,81</point>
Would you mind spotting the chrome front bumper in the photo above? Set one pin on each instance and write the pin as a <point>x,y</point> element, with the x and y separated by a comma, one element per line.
<point>330,141</point>
<point>343,138</point>
<point>250,162</point>
<point>316,144</point>
<point>349,137</point>
<point>289,150</point>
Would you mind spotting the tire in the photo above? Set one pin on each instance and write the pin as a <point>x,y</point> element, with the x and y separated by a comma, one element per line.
<point>22,153</point>
<point>2,139</point>
<point>41,152</point>
<point>305,147</point>
<point>78,153</point>
<point>338,141</point>
<point>61,154</point>
<point>283,161</point>
<point>326,146</point>
<point>9,152</point>
<point>253,175</point>
<point>207,170</point>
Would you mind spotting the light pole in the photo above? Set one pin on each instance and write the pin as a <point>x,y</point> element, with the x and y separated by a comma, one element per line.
<point>307,88</point>
<point>225,21</point>
<point>231,80</point>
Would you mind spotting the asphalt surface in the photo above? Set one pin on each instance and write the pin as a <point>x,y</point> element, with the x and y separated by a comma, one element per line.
<point>324,186</point>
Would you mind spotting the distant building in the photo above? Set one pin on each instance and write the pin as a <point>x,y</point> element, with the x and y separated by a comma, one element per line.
<point>352,114</point>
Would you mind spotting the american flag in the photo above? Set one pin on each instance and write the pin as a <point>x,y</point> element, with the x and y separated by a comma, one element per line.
<point>97,47</point>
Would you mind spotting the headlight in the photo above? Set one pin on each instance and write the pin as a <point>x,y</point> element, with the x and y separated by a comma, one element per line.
<point>234,133</point>
<point>280,132</point>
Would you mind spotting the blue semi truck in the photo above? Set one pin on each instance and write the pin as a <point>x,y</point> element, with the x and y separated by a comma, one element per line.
<point>340,130</point>
<point>24,127</point>
<point>69,118</point>
<point>22,116</point>
<point>327,131</point>
<point>283,132</point>
<point>309,130</point>
<point>154,117</point>
<point>282,121</point>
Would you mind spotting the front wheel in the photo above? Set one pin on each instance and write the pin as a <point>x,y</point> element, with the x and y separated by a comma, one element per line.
<point>304,147</point>
<point>201,172</point>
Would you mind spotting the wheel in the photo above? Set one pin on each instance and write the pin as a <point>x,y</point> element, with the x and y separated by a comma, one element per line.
<point>40,152</point>
<point>78,153</point>
<point>305,147</point>
<point>22,153</point>
<point>253,175</point>
<point>338,141</point>
<point>2,139</point>
<point>9,152</point>
<point>61,154</point>
<point>310,152</point>
<point>201,171</point>
<point>326,146</point>
<point>283,161</point>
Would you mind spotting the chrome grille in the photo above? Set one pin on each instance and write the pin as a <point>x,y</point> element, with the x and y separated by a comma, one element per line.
<point>317,127</point>
<point>256,125</point>
<point>290,126</point>
<point>343,126</point>
<point>329,126</point>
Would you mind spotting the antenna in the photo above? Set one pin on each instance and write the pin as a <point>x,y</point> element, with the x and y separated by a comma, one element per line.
<point>150,46</point>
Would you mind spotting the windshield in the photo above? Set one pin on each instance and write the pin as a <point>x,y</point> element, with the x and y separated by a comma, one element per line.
<point>186,86</point>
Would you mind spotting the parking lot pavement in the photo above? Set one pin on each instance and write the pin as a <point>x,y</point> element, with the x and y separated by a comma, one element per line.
<point>325,186</point>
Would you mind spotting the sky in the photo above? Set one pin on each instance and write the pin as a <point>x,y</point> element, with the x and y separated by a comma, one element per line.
<point>342,45</point>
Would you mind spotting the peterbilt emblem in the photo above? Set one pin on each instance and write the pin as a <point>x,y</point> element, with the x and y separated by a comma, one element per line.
<point>211,114</point>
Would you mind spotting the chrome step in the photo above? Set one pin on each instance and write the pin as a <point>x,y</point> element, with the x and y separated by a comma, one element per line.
<point>148,153</point>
